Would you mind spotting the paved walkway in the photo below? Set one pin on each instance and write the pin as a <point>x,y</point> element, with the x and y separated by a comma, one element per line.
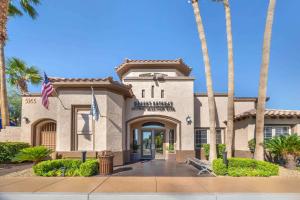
<point>150,184</point>
<point>158,168</point>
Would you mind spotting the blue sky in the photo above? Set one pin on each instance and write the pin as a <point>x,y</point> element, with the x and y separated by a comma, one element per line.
<point>85,38</point>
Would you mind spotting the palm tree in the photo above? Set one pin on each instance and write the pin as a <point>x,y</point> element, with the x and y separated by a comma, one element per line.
<point>262,93</point>
<point>230,103</point>
<point>209,86</point>
<point>8,8</point>
<point>19,74</point>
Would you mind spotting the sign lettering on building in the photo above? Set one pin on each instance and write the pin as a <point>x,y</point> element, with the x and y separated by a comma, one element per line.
<point>30,101</point>
<point>154,106</point>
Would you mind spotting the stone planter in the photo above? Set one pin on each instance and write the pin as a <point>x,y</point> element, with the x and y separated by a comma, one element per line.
<point>171,156</point>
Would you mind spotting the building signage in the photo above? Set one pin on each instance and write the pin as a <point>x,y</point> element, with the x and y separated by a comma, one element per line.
<point>154,106</point>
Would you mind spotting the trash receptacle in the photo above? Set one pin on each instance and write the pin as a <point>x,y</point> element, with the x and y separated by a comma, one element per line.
<point>106,162</point>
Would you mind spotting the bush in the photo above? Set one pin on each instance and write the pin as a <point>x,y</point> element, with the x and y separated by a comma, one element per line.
<point>251,145</point>
<point>69,166</point>
<point>171,148</point>
<point>219,167</point>
<point>220,149</point>
<point>251,167</point>
<point>245,167</point>
<point>89,168</point>
<point>8,150</point>
<point>35,154</point>
<point>286,147</point>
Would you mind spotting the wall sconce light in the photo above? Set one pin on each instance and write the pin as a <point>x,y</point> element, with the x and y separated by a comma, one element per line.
<point>26,120</point>
<point>189,120</point>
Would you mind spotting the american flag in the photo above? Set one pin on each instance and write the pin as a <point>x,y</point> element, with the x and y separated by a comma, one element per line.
<point>47,90</point>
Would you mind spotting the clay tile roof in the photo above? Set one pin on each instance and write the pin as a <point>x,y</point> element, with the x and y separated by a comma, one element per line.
<point>108,83</point>
<point>177,64</point>
<point>269,113</point>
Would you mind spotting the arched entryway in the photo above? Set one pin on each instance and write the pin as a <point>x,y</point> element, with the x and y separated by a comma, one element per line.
<point>153,137</point>
<point>45,134</point>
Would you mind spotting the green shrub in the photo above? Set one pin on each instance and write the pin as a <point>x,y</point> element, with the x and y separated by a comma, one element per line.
<point>220,149</point>
<point>284,144</point>
<point>251,167</point>
<point>69,166</point>
<point>89,168</point>
<point>35,154</point>
<point>219,167</point>
<point>8,150</point>
<point>245,167</point>
<point>171,148</point>
<point>55,167</point>
<point>251,145</point>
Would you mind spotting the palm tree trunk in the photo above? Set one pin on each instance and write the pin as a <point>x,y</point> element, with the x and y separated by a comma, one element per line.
<point>262,93</point>
<point>3,35</point>
<point>210,93</point>
<point>230,103</point>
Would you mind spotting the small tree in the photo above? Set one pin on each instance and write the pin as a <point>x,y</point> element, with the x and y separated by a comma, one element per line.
<point>286,147</point>
<point>34,154</point>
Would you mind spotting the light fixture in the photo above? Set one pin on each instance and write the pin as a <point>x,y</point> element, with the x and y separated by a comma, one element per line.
<point>26,120</point>
<point>189,120</point>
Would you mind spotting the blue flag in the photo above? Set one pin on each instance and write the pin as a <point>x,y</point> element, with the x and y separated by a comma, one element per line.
<point>94,107</point>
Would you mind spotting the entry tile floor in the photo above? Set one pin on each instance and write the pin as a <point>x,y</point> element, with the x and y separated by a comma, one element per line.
<point>157,168</point>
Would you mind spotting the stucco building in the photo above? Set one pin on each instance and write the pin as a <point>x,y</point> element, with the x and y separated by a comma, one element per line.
<point>152,112</point>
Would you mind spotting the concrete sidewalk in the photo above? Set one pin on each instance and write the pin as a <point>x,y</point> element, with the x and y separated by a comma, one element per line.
<point>167,187</point>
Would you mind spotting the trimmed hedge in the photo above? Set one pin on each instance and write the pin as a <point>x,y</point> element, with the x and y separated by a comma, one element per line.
<point>89,168</point>
<point>219,167</point>
<point>220,149</point>
<point>245,167</point>
<point>8,150</point>
<point>70,166</point>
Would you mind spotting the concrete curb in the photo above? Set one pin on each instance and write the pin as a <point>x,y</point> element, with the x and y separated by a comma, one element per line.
<point>146,196</point>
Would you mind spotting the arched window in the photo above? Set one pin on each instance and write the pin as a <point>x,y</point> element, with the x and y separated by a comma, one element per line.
<point>153,125</point>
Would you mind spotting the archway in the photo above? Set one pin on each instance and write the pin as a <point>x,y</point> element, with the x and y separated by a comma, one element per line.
<point>44,134</point>
<point>153,137</point>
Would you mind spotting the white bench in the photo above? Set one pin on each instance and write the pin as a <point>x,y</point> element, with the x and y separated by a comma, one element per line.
<point>205,166</point>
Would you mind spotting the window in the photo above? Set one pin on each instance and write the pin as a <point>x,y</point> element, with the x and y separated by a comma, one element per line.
<point>172,137</point>
<point>268,133</point>
<point>281,131</point>
<point>200,137</point>
<point>143,93</point>
<point>162,94</point>
<point>272,131</point>
<point>219,136</point>
<point>152,91</point>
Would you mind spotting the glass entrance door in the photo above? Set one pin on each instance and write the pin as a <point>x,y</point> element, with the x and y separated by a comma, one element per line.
<point>146,143</point>
<point>159,143</point>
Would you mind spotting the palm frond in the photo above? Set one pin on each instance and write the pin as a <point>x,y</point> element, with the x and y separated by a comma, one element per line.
<point>20,75</point>
<point>28,8</point>
<point>34,75</point>
<point>13,11</point>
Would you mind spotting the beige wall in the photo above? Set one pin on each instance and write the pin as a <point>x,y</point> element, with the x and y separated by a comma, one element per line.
<point>245,129</point>
<point>201,110</point>
<point>112,111</point>
<point>179,91</point>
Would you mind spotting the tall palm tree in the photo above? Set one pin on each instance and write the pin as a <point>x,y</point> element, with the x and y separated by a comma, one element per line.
<point>230,103</point>
<point>209,86</point>
<point>262,92</point>
<point>9,8</point>
<point>20,75</point>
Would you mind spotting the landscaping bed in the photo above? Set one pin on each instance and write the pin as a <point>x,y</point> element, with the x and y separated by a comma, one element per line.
<point>66,167</point>
<point>8,150</point>
<point>245,167</point>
